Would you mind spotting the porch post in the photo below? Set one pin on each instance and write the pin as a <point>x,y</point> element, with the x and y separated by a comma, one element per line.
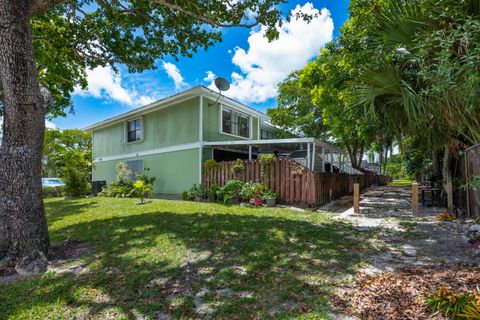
<point>313,156</point>
<point>308,156</point>
<point>249,152</point>
<point>331,162</point>
<point>323,159</point>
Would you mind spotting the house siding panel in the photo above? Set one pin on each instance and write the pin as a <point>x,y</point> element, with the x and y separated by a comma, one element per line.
<point>178,124</point>
<point>174,171</point>
<point>211,124</point>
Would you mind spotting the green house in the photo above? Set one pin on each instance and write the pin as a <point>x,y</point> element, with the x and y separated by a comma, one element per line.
<point>174,136</point>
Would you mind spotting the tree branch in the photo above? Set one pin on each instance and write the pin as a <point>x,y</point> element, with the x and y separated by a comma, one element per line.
<point>203,18</point>
<point>40,6</point>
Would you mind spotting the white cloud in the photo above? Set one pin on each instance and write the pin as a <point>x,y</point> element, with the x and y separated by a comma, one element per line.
<point>50,125</point>
<point>104,83</point>
<point>265,63</point>
<point>210,76</point>
<point>173,72</point>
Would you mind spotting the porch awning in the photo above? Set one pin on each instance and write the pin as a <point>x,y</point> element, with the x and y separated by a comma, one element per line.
<point>328,148</point>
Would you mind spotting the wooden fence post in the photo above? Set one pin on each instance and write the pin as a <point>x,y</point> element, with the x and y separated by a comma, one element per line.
<point>356,198</point>
<point>414,198</point>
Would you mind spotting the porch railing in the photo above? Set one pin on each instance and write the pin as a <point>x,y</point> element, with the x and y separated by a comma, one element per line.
<point>292,182</point>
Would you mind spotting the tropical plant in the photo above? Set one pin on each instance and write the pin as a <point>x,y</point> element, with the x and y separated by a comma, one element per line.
<point>141,189</point>
<point>455,305</point>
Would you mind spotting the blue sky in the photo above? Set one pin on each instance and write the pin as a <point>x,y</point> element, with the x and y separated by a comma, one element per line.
<point>244,57</point>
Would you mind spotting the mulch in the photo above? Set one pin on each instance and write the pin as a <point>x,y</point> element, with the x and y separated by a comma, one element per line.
<point>401,294</point>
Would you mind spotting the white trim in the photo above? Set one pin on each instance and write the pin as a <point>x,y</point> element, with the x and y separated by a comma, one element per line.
<point>266,141</point>
<point>250,127</point>
<point>258,129</point>
<point>313,156</point>
<point>233,135</point>
<point>179,147</point>
<point>200,121</point>
<point>308,156</point>
<point>200,153</point>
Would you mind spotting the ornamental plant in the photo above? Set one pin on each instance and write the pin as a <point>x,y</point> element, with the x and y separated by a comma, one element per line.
<point>142,190</point>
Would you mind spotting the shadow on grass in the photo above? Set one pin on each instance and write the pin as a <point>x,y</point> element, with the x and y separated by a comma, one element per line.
<point>192,265</point>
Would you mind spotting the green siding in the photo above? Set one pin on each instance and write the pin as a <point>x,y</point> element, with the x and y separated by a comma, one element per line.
<point>175,171</point>
<point>211,122</point>
<point>170,126</point>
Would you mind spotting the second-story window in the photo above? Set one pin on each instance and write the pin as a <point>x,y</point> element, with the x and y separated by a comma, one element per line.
<point>265,134</point>
<point>134,130</point>
<point>235,123</point>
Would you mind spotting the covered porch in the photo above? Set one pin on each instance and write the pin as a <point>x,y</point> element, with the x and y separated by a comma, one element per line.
<point>314,154</point>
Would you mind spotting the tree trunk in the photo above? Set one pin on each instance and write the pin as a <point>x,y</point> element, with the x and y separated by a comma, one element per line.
<point>447,179</point>
<point>23,226</point>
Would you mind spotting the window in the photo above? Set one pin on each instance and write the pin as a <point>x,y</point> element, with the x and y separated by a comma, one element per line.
<point>235,123</point>
<point>134,130</point>
<point>264,134</point>
<point>135,166</point>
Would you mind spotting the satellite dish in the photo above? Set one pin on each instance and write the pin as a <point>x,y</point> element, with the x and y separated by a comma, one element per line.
<point>222,84</point>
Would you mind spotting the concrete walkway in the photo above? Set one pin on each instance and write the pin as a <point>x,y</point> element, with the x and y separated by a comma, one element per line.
<point>404,240</point>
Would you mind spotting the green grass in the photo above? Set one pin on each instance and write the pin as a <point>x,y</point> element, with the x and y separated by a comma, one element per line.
<point>402,182</point>
<point>155,258</point>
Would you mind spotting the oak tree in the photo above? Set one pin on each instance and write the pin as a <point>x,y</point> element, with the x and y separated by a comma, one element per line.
<point>46,47</point>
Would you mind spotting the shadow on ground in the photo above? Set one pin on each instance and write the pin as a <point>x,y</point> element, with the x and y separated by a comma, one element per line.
<point>159,264</point>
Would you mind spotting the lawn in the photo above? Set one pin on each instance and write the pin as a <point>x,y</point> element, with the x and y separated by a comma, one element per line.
<point>402,183</point>
<point>189,260</point>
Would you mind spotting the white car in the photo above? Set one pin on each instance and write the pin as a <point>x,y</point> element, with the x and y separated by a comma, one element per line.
<point>52,182</point>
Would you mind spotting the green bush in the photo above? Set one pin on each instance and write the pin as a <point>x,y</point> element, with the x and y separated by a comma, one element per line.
<point>124,187</point>
<point>196,192</point>
<point>76,174</point>
<point>52,192</point>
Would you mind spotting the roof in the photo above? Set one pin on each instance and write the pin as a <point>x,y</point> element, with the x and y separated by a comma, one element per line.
<point>174,99</point>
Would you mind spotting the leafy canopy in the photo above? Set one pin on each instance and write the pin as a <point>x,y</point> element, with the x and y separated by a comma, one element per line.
<point>76,35</point>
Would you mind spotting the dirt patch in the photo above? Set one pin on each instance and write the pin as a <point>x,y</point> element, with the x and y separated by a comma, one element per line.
<point>58,258</point>
<point>401,294</point>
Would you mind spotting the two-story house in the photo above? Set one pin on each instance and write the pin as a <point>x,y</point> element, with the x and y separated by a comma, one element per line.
<point>175,135</point>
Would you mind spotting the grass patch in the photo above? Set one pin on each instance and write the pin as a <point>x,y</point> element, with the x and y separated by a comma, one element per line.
<point>402,183</point>
<point>189,260</point>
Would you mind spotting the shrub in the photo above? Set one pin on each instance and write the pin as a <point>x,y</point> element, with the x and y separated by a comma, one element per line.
<point>247,191</point>
<point>266,162</point>
<point>52,192</point>
<point>455,305</point>
<point>124,187</point>
<point>76,173</point>
<point>196,192</point>
<point>230,191</point>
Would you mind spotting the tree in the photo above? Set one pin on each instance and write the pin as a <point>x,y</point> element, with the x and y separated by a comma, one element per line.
<point>318,99</point>
<point>428,86</point>
<point>45,48</point>
<point>56,145</point>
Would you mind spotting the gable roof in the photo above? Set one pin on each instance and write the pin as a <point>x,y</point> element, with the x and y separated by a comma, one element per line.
<point>174,99</point>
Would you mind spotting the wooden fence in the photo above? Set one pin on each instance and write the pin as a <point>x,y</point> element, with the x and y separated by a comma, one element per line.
<point>292,182</point>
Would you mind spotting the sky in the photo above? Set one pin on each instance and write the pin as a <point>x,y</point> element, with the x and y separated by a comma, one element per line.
<point>251,64</point>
